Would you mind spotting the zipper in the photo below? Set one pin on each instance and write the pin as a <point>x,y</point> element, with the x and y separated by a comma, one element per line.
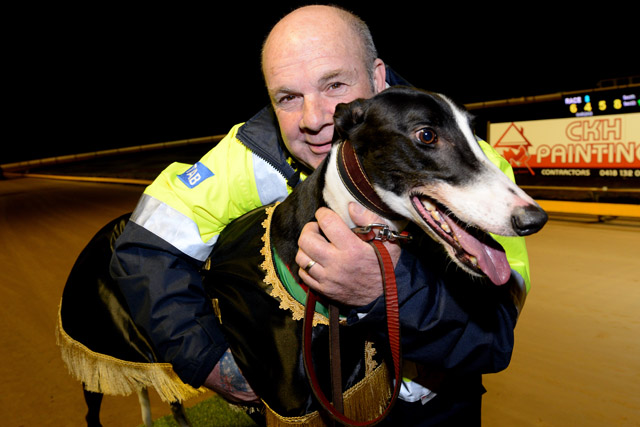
<point>264,122</point>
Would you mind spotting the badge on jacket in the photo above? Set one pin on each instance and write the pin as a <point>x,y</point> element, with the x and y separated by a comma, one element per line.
<point>195,175</point>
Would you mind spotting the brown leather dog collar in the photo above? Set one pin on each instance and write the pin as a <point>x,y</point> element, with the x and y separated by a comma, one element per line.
<point>356,181</point>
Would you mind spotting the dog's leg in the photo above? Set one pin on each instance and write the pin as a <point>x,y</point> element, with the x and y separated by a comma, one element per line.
<point>145,408</point>
<point>93,401</point>
<point>179,415</point>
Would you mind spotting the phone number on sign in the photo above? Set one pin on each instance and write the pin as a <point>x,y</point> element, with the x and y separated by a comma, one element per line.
<point>625,173</point>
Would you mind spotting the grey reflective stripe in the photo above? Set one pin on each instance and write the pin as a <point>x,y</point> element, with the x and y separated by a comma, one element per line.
<point>172,226</point>
<point>272,186</point>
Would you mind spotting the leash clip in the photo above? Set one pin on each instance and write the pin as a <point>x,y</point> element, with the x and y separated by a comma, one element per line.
<point>380,232</point>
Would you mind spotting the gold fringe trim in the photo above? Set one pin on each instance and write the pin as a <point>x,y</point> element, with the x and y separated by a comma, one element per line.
<point>278,291</point>
<point>108,375</point>
<point>362,402</point>
<point>369,352</point>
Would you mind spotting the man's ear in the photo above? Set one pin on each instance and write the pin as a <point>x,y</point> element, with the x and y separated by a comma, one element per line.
<point>348,116</point>
<point>379,76</point>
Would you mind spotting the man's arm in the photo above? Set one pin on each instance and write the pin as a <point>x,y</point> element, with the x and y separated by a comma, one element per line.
<point>157,259</point>
<point>176,313</point>
<point>165,288</point>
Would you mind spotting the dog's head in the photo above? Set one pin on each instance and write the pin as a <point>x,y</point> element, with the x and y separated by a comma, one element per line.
<point>420,154</point>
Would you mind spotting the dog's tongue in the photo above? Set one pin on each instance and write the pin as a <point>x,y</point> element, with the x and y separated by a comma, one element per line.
<point>491,260</point>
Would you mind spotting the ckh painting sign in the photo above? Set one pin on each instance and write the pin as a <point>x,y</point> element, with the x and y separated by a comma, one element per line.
<point>597,150</point>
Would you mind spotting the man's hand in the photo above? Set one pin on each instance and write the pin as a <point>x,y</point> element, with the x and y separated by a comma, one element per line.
<point>346,269</point>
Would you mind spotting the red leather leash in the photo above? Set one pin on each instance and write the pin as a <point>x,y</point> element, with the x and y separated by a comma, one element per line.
<point>393,329</point>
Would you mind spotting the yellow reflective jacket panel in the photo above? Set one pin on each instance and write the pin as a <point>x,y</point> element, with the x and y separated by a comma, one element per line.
<point>515,247</point>
<point>189,205</point>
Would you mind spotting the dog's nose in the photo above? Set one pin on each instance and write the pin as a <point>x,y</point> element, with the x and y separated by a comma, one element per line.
<point>528,219</point>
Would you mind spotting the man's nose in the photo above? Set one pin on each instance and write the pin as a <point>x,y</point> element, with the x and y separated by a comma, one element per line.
<point>316,113</point>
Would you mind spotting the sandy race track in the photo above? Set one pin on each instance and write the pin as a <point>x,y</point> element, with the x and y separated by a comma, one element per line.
<point>577,358</point>
<point>44,224</point>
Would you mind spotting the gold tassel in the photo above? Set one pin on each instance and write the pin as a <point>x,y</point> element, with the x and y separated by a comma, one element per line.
<point>108,375</point>
<point>362,402</point>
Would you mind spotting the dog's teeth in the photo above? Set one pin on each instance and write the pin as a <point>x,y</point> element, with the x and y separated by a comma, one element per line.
<point>435,215</point>
<point>473,260</point>
<point>428,205</point>
<point>446,227</point>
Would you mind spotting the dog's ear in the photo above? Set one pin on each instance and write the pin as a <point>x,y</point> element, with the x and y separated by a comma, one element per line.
<point>348,116</point>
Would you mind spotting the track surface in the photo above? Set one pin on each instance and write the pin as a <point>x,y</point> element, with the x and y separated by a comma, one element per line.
<point>577,358</point>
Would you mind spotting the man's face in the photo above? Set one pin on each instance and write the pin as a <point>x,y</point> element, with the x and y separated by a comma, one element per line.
<point>306,81</point>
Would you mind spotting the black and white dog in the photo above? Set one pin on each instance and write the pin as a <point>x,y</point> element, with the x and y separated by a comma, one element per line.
<point>419,154</point>
<point>408,155</point>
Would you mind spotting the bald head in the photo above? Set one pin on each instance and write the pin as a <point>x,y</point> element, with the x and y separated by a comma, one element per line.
<point>319,27</point>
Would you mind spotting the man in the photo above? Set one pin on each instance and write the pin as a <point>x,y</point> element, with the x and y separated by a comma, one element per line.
<point>311,64</point>
<point>313,59</point>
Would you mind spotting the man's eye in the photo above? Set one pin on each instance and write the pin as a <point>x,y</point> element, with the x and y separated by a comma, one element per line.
<point>286,98</point>
<point>336,85</point>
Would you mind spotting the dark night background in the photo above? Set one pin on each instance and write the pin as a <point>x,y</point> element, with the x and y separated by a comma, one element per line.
<point>92,78</point>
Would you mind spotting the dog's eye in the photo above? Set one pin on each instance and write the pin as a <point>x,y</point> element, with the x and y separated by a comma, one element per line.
<point>427,136</point>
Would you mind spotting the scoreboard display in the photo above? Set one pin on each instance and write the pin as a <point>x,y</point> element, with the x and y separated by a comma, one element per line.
<point>603,102</point>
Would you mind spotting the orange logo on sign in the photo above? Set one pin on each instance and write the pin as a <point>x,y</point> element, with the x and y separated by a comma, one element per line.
<point>514,147</point>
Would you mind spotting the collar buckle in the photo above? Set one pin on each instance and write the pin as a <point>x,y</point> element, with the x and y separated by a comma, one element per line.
<point>381,232</point>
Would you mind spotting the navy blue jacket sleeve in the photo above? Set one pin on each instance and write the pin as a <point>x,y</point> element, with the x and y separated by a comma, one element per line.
<point>159,282</point>
<point>450,321</point>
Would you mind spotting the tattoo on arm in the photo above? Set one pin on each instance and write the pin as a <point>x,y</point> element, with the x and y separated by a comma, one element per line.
<point>230,376</point>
